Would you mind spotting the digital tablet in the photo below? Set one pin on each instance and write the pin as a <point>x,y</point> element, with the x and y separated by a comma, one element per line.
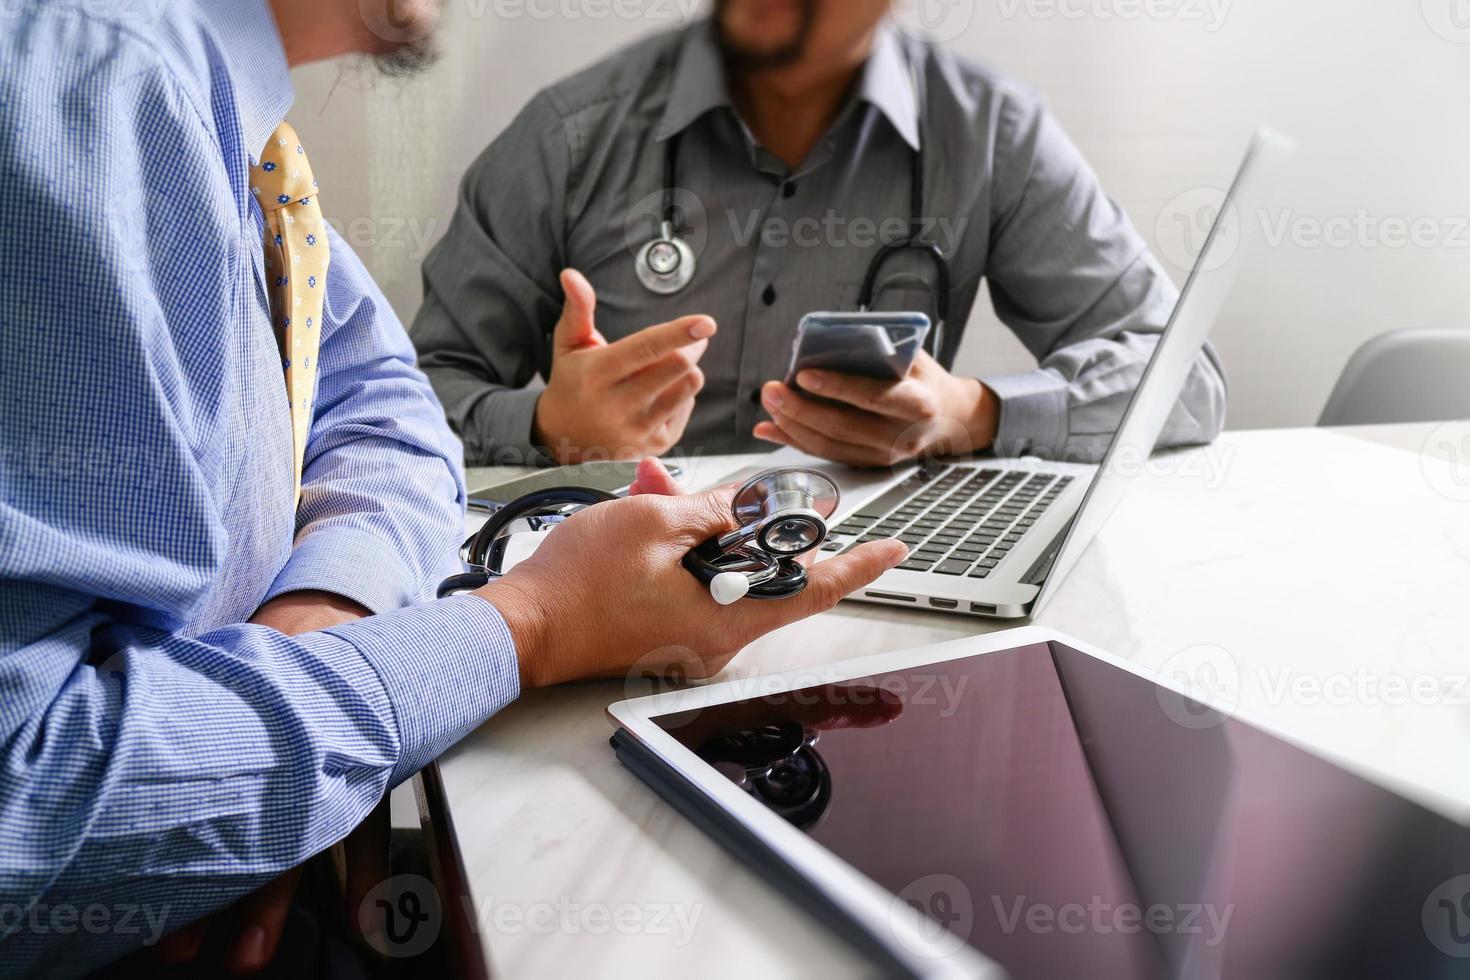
<point>1024,805</point>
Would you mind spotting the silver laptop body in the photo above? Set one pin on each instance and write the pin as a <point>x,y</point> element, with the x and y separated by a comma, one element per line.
<point>995,537</point>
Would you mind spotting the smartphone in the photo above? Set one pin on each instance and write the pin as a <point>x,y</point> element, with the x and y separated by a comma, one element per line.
<point>870,345</point>
<point>614,476</point>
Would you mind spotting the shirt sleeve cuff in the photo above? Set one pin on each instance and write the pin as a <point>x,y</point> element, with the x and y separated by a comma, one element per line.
<point>1033,414</point>
<point>352,563</point>
<point>446,666</point>
<point>502,423</point>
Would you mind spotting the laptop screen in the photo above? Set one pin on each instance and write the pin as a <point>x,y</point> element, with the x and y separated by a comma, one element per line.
<point>1067,818</point>
<point>1233,230</point>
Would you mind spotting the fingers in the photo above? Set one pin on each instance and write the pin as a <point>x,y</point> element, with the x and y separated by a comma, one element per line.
<point>907,400</point>
<point>182,945</point>
<point>653,477</point>
<point>882,440</point>
<point>789,432</point>
<point>829,582</point>
<point>577,327</point>
<point>667,403</point>
<point>839,422</point>
<point>637,351</point>
<point>672,429</point>
<point>663,374</point>
<point>696,517</point>
<point>263,918</point>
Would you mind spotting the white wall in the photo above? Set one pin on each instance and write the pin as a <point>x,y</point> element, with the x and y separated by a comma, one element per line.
<point>1161,95</point>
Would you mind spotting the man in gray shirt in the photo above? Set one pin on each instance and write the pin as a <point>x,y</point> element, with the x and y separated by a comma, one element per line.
<point>798,130</point>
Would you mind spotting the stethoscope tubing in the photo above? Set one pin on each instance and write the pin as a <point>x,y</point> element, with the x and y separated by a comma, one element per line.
<point>485,550</point>
<point>670,232</point>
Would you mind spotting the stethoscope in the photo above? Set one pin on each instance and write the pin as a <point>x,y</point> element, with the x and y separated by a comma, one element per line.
<point>781,514</point>
<point>667,265</point>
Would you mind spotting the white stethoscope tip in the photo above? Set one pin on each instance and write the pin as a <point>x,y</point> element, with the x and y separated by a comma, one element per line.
<point>728,587</point>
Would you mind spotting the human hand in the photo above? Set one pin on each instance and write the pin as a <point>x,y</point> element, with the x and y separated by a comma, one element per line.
<point>882,423</point>
<point>629,397</point>
<point>607,590</point>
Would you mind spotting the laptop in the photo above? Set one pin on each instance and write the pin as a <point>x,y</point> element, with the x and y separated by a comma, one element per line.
<point>995,537</point>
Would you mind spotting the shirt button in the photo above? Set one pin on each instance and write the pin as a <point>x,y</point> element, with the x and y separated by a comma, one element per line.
<point>788,189</point>
<point>769,296</point>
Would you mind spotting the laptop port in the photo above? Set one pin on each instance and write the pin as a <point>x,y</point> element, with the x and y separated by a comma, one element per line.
<point>944,603</point>
<point>983,608</point>
<point>892,597</point>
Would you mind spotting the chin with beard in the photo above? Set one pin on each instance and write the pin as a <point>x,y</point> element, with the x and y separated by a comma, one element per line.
<point>744,59</point>
<point>408,60</point>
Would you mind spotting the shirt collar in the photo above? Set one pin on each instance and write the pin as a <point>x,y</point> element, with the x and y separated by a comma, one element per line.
<point>699,83</point>
<point>888,84</point>
<point>251,47</point>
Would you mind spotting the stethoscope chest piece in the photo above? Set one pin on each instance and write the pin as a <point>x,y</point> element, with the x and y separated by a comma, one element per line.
<point>784,510</point>
<point>781,514</point>
<point>666,265</point>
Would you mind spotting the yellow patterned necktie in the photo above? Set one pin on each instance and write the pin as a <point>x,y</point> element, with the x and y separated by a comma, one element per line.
<point>296,258</point>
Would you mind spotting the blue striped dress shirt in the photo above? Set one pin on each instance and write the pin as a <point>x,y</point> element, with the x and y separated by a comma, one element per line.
<point>157,754</point>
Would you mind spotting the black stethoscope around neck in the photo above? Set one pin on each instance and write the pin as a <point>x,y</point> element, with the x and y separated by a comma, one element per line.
<point>666,265</point>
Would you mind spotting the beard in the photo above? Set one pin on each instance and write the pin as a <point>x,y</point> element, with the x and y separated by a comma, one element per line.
<point>404,34</point>
<point>408,60</point>
<point>746,59</point>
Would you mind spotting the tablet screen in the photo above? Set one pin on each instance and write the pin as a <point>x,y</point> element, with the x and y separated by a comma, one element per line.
<point>1067,818</point>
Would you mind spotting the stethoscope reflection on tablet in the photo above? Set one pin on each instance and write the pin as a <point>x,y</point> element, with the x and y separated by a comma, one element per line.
<point>780,515</point>
<point>667,265</point>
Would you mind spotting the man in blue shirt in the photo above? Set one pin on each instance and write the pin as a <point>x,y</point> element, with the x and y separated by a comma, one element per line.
<point>202,684</point>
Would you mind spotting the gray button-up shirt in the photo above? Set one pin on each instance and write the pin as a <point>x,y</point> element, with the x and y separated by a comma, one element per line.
<point>576,181</point>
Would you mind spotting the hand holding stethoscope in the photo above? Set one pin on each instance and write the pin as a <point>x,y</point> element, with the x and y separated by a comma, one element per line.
<point>780,515</point>
<point>607,594</point>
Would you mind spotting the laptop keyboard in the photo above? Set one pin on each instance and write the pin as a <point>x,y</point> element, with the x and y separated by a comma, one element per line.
<point>955,520</point>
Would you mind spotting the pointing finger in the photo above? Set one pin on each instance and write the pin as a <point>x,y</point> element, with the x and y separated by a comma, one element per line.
<point>830,581</point>
<point>638,351</point>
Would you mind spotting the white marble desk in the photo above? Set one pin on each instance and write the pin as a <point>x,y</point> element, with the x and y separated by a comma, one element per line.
<point>1321,579</point>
